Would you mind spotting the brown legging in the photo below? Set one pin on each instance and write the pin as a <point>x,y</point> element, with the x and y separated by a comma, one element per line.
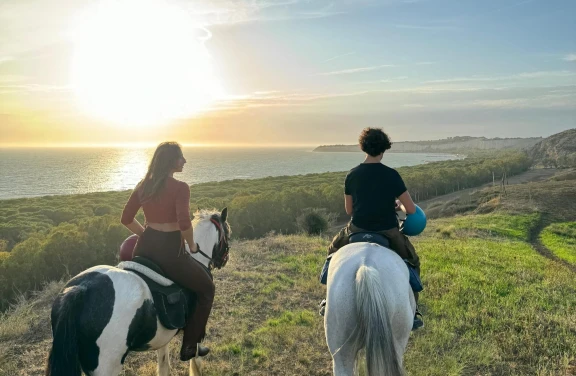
<point>167,250</point>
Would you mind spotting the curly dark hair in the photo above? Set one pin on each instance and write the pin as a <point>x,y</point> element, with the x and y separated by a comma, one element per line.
<point>373,141</point>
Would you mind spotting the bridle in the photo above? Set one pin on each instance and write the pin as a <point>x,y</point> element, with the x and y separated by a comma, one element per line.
<point>221,249</point>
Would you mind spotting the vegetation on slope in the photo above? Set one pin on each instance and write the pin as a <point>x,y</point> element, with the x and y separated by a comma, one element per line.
<point>493,306</point>
<point>256,206</point>
<point>49,237</point>
<point>558,150</point>
<point>560,238</point>
<point>464,145</point>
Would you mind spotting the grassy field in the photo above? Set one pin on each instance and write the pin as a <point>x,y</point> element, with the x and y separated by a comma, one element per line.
<point>498,299</point>
<point>493,306</point>
<point>560,238</point>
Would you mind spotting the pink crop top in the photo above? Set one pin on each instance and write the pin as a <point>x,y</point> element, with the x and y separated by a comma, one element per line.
<point>172,205</point>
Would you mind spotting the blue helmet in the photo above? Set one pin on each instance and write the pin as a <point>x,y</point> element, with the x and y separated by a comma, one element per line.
<point>414,223</point>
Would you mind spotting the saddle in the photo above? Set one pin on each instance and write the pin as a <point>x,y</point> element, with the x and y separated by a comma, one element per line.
<point>173,303</point>
<point>372,237</point>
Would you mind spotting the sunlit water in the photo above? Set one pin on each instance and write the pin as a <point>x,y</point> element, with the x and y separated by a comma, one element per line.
<point>50,171</point>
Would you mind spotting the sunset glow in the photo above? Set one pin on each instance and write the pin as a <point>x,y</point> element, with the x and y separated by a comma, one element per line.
<point>141,63</point>
<point>277,72</point>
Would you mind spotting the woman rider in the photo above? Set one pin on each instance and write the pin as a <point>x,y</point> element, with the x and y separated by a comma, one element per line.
<point>166,205</point>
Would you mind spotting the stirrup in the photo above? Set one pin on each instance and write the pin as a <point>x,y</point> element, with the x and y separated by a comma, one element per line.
<point>418,320</point>
<point>187,353</point>
<point>322,309</point>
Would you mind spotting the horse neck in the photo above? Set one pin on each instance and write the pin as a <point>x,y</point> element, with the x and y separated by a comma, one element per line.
<point>206,236</point>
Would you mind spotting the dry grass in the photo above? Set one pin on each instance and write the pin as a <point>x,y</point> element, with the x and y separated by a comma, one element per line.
<point>492,304</point>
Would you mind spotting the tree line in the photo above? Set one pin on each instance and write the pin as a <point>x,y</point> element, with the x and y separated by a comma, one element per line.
<point>48,238</point>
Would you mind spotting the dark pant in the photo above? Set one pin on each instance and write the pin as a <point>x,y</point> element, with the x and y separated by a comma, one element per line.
<point>167,250</point>
<point>399,243</point>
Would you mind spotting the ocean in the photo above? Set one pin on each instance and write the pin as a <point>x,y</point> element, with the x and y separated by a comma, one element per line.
<point>30,172</point>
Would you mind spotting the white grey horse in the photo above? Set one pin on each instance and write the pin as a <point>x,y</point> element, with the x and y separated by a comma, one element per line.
<point>105,312</point>
<point>370,305</point>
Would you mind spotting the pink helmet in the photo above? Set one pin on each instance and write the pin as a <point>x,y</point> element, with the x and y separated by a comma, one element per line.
<point>127,248</point>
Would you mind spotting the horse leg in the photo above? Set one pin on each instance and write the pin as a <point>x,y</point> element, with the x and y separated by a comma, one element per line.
<point>338,338</point>
<point>195,367</point>
<point>339,323</point>
<point>343,362</point>
<point>163,361</point>
<point>108,367</point>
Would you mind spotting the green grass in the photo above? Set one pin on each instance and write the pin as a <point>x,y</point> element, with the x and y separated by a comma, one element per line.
<point>492,305</point>
<point>489,225</point>
<point>560,238</point>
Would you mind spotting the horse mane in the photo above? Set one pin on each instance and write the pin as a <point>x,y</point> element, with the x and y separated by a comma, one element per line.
<point>202,215</point>
<point>205,215</point>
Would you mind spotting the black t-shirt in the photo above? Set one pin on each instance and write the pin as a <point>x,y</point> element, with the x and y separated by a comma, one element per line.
<point>374,188</point>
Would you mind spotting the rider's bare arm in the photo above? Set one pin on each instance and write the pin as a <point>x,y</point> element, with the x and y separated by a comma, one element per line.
<point>183,216</point>
<point>348,204</point>
<point>406,200</point>
<point>188,235</point>
<point>135,227</point>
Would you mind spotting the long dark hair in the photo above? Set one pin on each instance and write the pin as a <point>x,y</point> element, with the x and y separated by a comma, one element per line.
<point>162,163</point>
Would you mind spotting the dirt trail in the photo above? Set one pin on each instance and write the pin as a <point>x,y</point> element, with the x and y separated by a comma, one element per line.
<point>534,239</point>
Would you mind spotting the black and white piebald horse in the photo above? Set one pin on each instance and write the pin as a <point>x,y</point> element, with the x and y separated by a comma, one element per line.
<point>105,312</point>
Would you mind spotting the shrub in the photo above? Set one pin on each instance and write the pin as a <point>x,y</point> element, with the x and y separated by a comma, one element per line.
<point>314,221</point>
<point>102,210</point>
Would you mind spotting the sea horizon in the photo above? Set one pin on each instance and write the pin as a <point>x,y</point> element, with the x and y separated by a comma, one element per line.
<point>34,172</point>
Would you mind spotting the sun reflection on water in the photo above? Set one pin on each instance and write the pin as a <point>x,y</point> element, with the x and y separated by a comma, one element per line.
<point>127,168</point>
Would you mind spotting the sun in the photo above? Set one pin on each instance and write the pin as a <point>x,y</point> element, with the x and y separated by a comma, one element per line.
<point>141,62</point>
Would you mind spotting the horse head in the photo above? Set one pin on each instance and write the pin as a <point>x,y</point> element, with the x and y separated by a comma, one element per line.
<point>212,234</point>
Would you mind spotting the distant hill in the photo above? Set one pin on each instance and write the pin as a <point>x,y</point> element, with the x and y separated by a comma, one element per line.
<point>558,150</point>
<point>463,144</point>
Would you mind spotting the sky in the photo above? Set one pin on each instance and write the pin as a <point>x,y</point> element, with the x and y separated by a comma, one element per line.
<point>279,72</point>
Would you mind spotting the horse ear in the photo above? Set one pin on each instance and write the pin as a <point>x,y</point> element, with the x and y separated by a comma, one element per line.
<point>224,214</point>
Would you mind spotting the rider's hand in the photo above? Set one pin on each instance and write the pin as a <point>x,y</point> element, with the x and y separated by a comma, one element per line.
<point>194,248</point>
<point>398,206</point>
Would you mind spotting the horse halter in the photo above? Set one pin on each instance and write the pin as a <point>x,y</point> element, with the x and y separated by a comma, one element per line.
<point>220,250</point>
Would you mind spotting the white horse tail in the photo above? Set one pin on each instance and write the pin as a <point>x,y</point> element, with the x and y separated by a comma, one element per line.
<point>63,359</point>
<point>373,330</point>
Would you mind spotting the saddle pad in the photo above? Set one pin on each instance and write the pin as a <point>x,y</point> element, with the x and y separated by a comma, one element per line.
<point>324,272</point>
<point>370,237</point>
<point>147,271</point>
<point>173,303</point>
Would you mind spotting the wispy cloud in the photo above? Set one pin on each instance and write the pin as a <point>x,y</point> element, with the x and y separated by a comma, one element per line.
<point>29,88</point>
<point>5,59</point>
<point>356,70</point>
<point>549,101</point>
<point>338,57</point>
<point>519,76</point>
<point>418,97</point>
<point>382,81</point>
<point>232,12</point>
<point>424,27</point>
<point>570,57</point>
<point>12,78</point>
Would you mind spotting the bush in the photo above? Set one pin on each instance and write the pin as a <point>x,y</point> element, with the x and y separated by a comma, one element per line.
<point>103,210</point>
<point>314,221</point>
<point>64,251</point>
